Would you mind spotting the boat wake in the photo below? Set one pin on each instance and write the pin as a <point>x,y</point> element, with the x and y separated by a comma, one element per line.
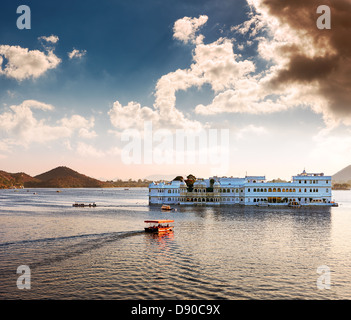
<point>62,248</point>
<point>94,242</point>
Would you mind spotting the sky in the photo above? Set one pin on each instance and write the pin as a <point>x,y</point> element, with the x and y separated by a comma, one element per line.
<point>131,89</point>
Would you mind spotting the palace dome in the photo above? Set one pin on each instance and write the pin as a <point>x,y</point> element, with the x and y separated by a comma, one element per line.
<point>216,184</point>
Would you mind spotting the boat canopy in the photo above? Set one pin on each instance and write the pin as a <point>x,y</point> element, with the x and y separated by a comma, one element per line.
<point>158,221</point>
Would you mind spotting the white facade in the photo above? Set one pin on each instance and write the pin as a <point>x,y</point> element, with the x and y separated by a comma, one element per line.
<point>305,189</point>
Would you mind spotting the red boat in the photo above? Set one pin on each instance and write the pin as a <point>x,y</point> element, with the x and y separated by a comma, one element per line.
<point>158,226</point>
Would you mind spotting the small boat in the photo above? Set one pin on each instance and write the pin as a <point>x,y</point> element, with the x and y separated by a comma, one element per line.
<point>165,207</point>
<point>334,204</point>
<point>262,204</point>
<point>159,226</point>
<point>294,204</point>
<point>84,205</point>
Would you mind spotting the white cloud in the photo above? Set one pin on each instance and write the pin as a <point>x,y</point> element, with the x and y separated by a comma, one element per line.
<point>78,54</point>
<point>52,39</point>
<point>132,115</point>
<point>20,126</point>
<point>80,123</point>
<point>23,63</point>
<point>67,144</point>
<point>87,134</point>
<point>251,129</point>
<point>77,121</point>
<point>252,26</point>
<point>184,29</point>
<point>87,150</point>
<point>260,93</point>
<point>246,96</point>
<point>215,64</point>
<point>254,93</point>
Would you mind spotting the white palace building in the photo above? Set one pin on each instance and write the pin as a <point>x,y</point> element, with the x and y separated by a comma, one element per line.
<point>304,189</point>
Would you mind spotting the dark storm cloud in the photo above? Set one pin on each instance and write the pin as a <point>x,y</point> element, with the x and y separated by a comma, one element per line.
<point>330,64</point>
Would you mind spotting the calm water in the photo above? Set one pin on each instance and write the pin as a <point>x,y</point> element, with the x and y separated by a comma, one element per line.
<point>214,253</point>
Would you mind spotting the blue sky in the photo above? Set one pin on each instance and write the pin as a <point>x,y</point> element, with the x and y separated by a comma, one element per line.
<point>73,111</point>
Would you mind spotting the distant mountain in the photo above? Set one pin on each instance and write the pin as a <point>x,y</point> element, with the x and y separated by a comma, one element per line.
<point>343,175</point>
<point>63,177</point>
<point>10,180</point>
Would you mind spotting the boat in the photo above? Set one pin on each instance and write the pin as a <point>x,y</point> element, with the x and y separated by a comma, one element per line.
<point>294,204</point>
<point>165,207</point>
<point>262,204</point>
<point>159,226</point>
<point>334,204</point>
<point>84,205</point>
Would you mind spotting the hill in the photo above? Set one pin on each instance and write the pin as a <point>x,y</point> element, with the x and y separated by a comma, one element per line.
<point>63,177</point>
<point>342,176</point>
<point>10,180</point>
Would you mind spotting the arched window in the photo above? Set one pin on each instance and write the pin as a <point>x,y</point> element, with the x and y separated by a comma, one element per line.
<point>270,190</point>
<point>274,190</point>
<point>279,190</point>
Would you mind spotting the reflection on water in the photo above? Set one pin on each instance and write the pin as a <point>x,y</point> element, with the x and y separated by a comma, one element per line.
<point>213,253</point>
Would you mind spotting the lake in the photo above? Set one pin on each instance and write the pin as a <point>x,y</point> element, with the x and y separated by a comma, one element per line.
<point>214,252</point>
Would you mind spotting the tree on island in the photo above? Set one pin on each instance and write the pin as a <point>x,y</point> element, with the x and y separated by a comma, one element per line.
<point>341,186</point>
<point>190,182</point>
